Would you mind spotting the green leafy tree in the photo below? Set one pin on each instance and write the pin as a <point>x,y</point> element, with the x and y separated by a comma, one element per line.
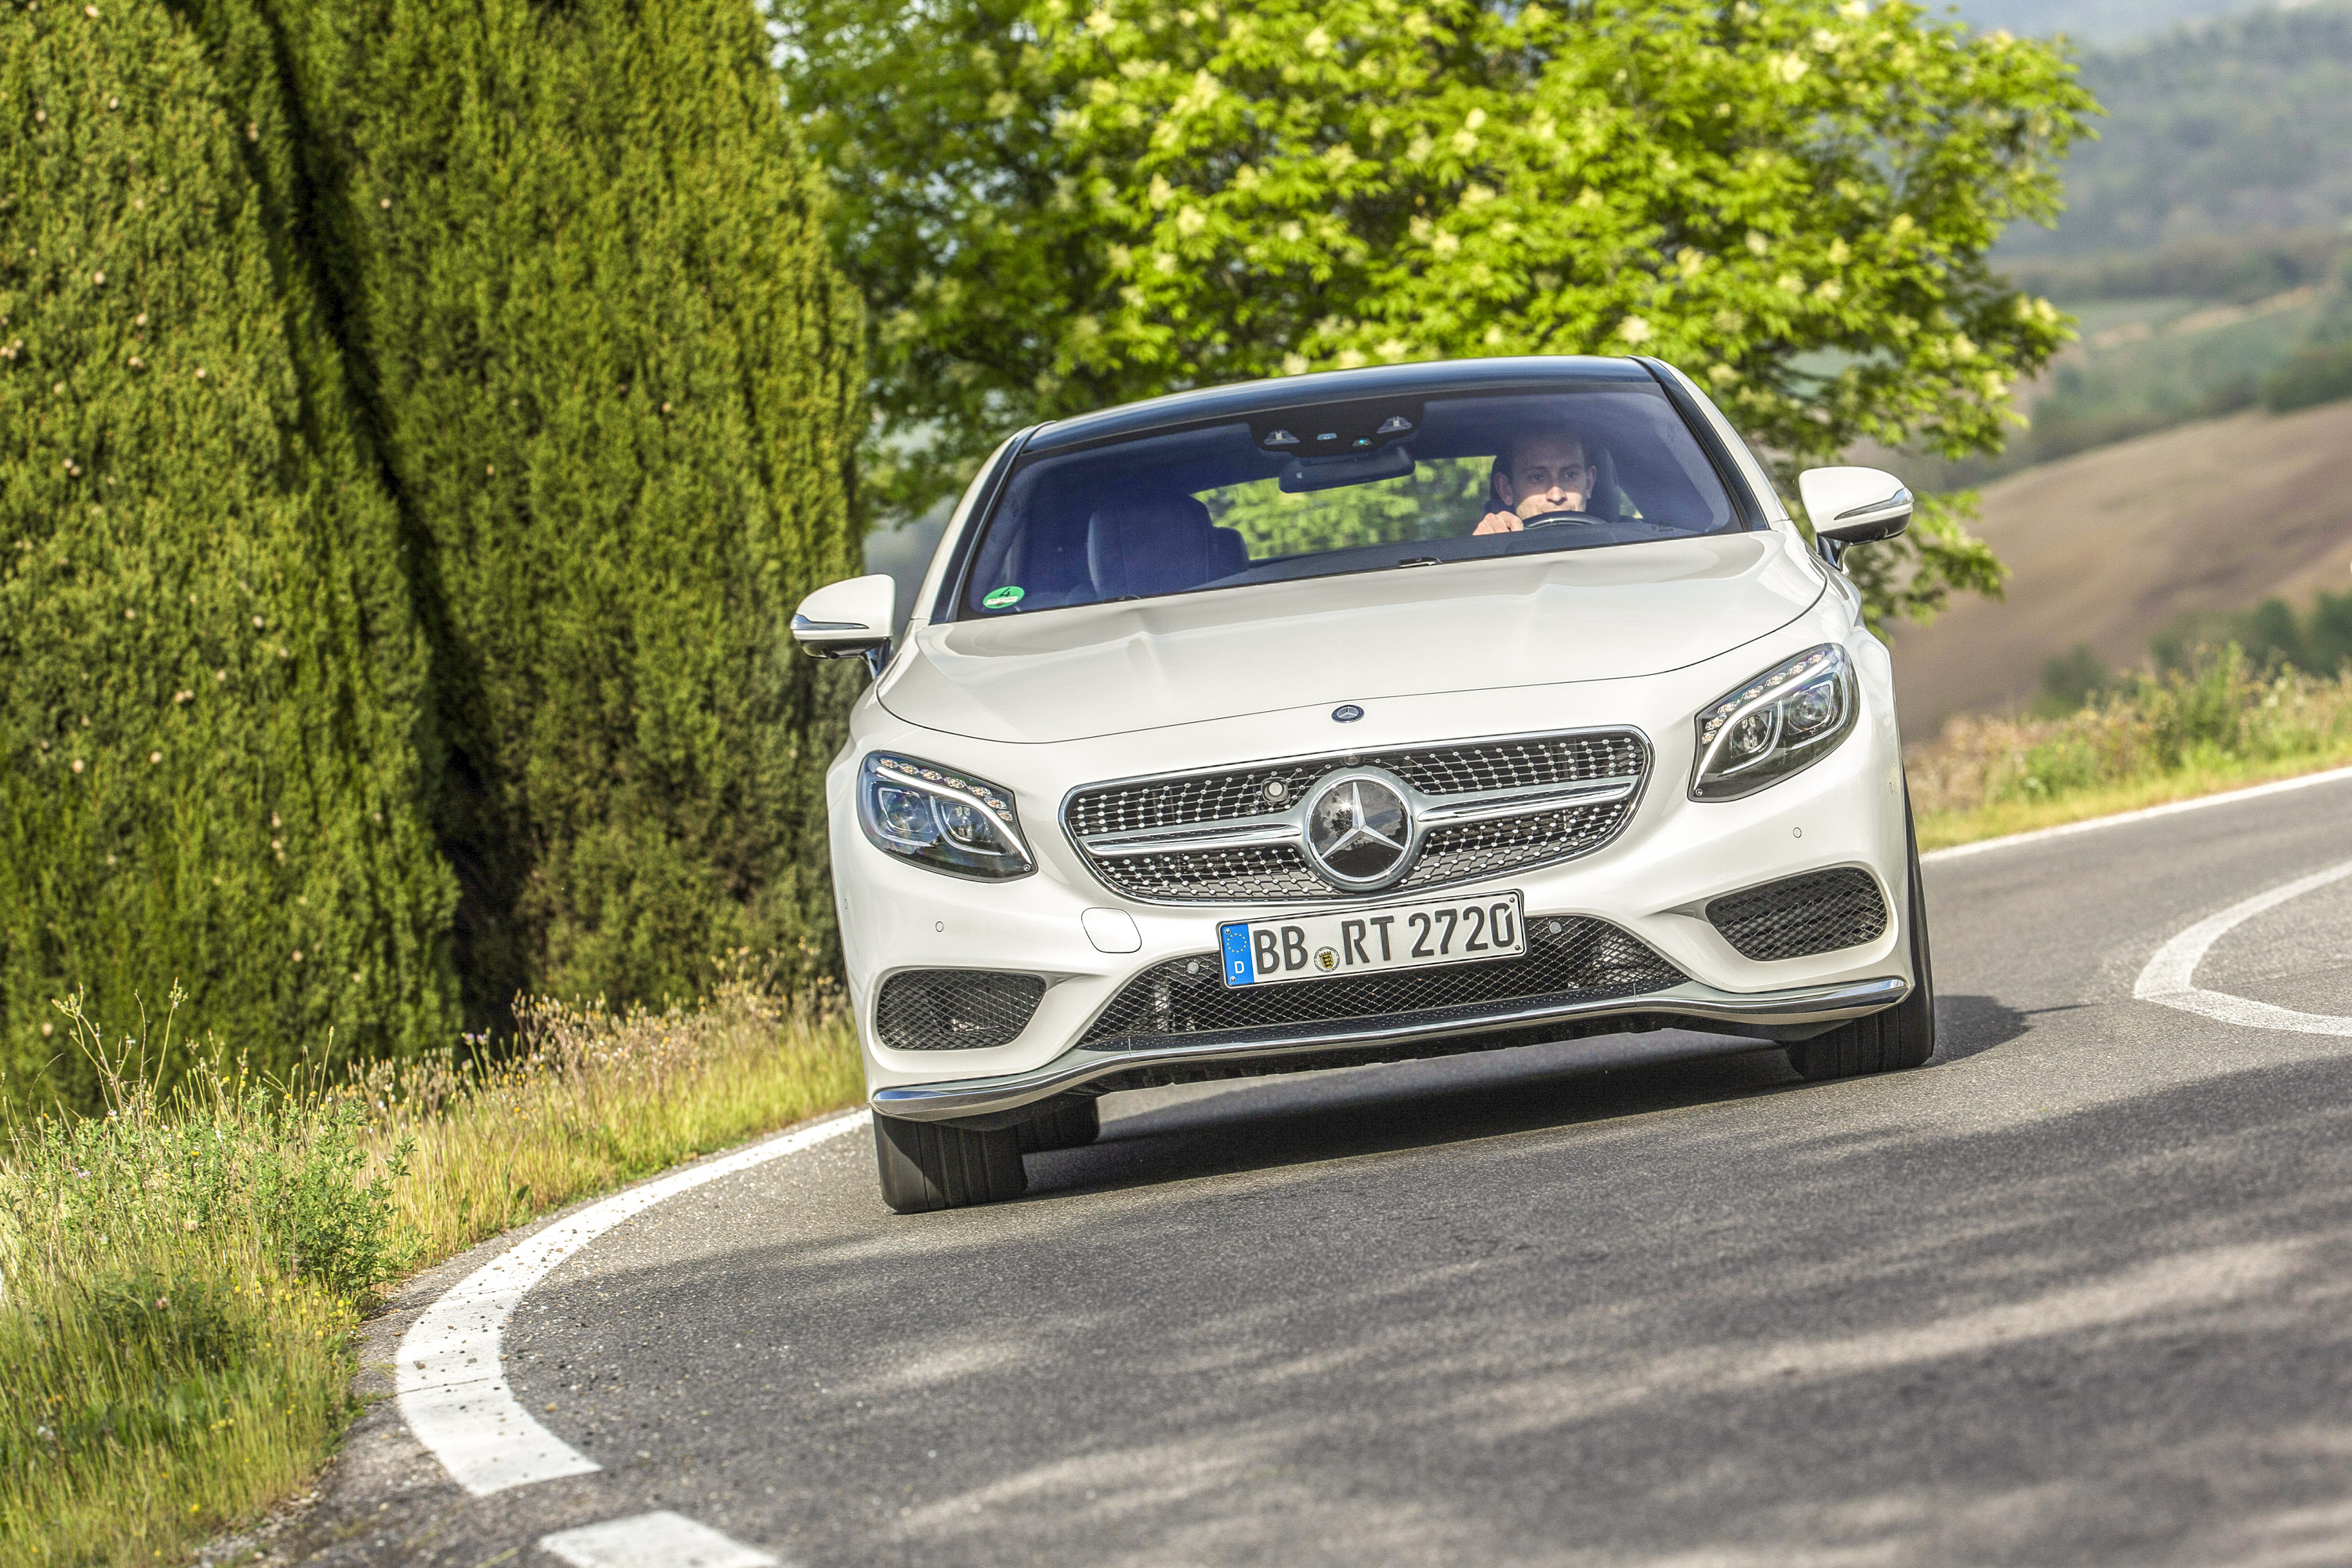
<point>581,266</point>
<point>1439,499</point>
<point>1054,206</point>
<point>214,688</point>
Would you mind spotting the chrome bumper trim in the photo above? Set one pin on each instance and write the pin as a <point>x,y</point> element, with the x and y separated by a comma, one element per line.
<point>1077,1067</point>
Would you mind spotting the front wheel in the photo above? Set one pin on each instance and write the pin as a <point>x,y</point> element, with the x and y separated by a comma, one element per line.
<point>1902,1035</point>
<point>926,1166</point>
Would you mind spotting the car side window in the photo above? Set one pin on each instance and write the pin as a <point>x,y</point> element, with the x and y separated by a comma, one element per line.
<point>1758,478</point>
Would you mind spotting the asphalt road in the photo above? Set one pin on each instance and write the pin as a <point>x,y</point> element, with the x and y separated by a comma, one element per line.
<point>2077,1291</point>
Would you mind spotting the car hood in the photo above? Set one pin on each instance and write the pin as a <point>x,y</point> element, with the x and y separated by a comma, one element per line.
<point>1106,670</point>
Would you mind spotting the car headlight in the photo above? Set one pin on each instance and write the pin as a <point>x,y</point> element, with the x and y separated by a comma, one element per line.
<point>941,817</point>
<point>1782,723</point>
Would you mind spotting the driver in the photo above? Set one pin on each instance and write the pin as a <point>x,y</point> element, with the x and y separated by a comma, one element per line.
<point>1536,474</point>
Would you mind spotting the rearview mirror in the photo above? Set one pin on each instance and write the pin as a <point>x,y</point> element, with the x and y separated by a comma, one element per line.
<point>843,619</point>
<point>1303,475</point>
<point>1853,506</point>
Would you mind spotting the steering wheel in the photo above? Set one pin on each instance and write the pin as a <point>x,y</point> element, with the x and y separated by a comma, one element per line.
<point>1554,519</point>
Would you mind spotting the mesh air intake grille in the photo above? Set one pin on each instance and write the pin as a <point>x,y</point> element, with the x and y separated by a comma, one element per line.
<point>1566,960</point>
<point>1820,912</point>
<point>954,1009</point>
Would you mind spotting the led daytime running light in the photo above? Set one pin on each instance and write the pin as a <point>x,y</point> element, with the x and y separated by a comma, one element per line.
<point>948,785</point>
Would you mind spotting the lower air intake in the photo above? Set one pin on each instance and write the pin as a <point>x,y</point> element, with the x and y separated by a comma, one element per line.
<point>1820,912</point>
<point>954,1009</point>
<point>1566,960</point>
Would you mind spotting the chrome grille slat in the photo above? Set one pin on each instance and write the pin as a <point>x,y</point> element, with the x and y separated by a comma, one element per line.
<point>1109,824</point>
<point>1188,802</point>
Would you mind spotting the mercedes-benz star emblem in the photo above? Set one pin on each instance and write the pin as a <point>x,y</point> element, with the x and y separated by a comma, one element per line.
<point>1359,830</point>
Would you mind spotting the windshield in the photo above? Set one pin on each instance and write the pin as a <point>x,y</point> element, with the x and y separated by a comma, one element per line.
<point>1312,492</point>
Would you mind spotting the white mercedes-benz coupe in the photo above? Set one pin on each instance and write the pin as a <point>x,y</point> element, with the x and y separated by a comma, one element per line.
<point>1355,717</point>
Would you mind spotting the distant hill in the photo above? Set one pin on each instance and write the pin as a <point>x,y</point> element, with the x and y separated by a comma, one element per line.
<point>2241,123</point>
<point>2095,21</point>
<point>2109,546</point>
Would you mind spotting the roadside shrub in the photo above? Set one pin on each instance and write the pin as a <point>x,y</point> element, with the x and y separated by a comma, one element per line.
<point>2219,711</point>
<point>2321,373</point>
<point>2071,682</point>
<point>209,768</point>
<point>584,270</point>
<point>2273,634</point>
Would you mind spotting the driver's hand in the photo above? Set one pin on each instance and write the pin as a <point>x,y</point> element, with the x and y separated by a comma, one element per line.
<point>1498,522</point>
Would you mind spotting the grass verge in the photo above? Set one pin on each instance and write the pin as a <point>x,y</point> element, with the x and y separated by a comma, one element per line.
<point>182,1277</point>
<point>2220,724</point>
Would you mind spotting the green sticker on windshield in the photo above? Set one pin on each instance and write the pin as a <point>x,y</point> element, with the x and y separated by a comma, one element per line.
<point>1002,598</point>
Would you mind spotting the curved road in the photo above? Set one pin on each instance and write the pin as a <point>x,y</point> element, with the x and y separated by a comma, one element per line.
<point>2078,1291</point>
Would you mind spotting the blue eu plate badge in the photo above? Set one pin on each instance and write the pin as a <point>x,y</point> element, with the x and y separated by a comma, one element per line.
<point>1239,969</point>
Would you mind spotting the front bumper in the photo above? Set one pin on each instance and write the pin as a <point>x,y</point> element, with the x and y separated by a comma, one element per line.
<point>1772,1016</point>
<point>1653,882</point>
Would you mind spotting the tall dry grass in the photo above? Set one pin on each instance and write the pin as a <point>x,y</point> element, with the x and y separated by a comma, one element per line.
<point>180,1280</point>
<point>590,1099</point>
<point>2219,723</point>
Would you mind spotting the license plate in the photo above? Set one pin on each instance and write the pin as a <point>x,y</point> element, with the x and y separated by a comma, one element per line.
<point>1372,942</point>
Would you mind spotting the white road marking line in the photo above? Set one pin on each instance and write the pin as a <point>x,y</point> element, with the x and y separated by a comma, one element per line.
<point>662,1540</point>
<point>453,1389</point>
<point>2171,977</point>
<point>2278,786</point>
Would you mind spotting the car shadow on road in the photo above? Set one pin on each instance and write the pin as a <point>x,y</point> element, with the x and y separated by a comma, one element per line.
<point>1259,1124</point>
<point>1970,1025</point>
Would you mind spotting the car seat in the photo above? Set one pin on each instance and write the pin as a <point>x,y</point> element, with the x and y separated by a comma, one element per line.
<point>1164,544</point>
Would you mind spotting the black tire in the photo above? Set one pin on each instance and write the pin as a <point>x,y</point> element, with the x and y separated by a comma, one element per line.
<point>925,1166</point>
<point>1903,1035</point>
<point>1071,1127</point>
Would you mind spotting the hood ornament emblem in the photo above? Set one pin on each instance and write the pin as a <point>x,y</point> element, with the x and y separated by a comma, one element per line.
<point>1359,830</point>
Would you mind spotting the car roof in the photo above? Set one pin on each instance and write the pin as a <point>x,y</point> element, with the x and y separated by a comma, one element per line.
<point>1216,404</point>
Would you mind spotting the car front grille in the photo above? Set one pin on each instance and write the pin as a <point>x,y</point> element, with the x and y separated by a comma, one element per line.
<point>954,1009</point>
<point>1820,912</point>
<point>1460,777</point>
<point>1568,960</point>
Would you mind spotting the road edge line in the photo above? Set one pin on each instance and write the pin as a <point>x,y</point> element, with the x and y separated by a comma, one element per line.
<point>646,1539</point>
<point>2170,978</point>
<point>450,1383</point>
<point>2146,813</point>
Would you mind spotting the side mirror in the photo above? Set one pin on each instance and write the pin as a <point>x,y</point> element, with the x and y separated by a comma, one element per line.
<point>843,619</point>
<point>1853,506</point>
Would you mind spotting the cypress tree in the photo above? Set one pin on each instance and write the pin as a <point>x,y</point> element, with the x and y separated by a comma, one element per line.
<point>215,679</point>
<point>617,381</point>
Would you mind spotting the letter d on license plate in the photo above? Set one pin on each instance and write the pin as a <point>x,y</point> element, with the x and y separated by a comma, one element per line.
<point>1368,941</point>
